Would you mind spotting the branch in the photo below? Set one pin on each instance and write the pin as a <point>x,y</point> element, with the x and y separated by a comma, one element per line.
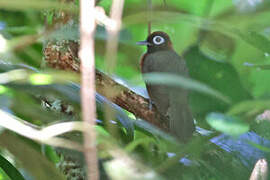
<point>129,100</point>
<point>149,16</point>
<point>121,95</point>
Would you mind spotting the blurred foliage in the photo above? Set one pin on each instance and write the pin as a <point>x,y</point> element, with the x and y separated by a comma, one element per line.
<point>226,46</point>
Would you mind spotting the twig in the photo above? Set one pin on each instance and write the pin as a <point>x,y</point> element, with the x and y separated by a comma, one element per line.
<point>260,171</point>
<point>87,56</point>
<point>149,10</point>
<point>111,51</point>
<point>113,33</point>
<point>103,19</point>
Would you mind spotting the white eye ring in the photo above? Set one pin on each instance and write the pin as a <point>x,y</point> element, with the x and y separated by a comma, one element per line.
<point>158,40</point>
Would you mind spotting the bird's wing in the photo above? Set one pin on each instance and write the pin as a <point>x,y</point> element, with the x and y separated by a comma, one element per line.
<point>181,120</point>
<point>167,62</point>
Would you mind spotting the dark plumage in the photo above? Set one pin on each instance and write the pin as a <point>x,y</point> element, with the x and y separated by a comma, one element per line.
<point>170,101</point>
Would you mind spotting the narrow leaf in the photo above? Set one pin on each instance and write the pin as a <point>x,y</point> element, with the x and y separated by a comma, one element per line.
<point>36,164</point>
<point>183,82</point>
<point>247,106</point>
<point>9,169</point>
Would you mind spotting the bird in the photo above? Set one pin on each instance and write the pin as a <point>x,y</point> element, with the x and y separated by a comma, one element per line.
<point>171,102</point>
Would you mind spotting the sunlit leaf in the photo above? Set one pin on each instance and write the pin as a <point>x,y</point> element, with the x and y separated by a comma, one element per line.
<point>53,77</point>
<point>227,124</point>
<point>45,135</point>
<point>3,89</point>
<point>13,75</point>
<point>3,44</point>
<point>40,79</point>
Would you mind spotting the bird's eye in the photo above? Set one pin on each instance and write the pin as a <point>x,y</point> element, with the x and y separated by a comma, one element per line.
<point>158,40</point>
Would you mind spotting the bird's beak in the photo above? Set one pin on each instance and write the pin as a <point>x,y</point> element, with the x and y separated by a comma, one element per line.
<point>143,43</point>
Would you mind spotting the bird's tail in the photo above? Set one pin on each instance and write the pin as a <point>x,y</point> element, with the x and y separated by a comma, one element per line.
<point>181,120</point>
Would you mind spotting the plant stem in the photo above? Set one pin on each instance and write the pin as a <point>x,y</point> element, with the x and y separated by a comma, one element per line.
<point>87,56</point>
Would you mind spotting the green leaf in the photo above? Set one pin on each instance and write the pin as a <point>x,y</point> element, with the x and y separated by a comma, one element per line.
<point>36,164</point>
<point>9,169</point>
<point>123,120</point>
<point>249,106</point>
<point>200,23</point>
<point>183,82</point>
<point>36,5</point>
<point>50,153</point>
<point>142,141</point>
<point>217,45</point>
<point>259,80</point>
<point>259,146</point>
<point>261,127</point>
<point>258,66</point>
<point>221,76</point>
<point>227,124</point>
<point>257,40</point>
<point>146,127</point>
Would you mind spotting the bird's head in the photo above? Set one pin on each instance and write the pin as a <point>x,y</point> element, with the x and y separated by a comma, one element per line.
<point>157,41</point>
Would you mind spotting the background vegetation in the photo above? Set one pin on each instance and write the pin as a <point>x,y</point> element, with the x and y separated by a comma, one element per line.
<point>227,48</point>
